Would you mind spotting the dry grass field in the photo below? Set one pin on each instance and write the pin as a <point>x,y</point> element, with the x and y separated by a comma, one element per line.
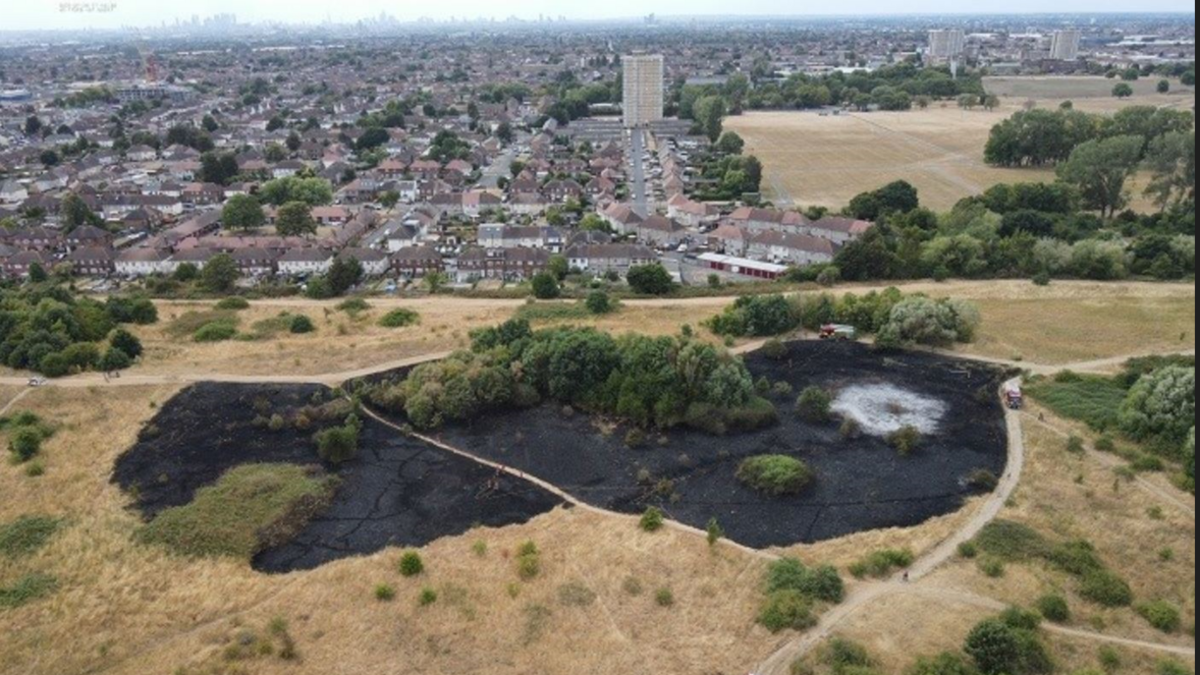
<point>825,161</point>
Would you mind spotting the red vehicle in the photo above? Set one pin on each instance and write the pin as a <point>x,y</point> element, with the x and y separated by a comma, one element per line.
<point>835,331</point>
<point>1014,397</point>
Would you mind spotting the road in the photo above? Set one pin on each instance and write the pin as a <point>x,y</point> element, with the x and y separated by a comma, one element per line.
<point>637,155</point>
<point>501,168</point>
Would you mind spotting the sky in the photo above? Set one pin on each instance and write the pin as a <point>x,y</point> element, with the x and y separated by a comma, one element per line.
<point>75,14</point>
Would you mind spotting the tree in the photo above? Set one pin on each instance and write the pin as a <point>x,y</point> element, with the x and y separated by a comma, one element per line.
<point>731,143</point>
<point>710,114</point>
<point>1100,170</point>
<point>33,125</point>
<point>113,360</point>
<point>218,168</point>
<point>49,158</point>
<point>653,279</point>
<point>505,133</point>
<point>340,444</point>
<point>74,213</point>
<point>294,219</point>
<point>311,191</point>
<point>344,274</point>
<point>38,274</point>
<point>242,212</point>
<point>1161,405</point>
<point>126,342</point>
<point>372,138</point>
<point>1164,87</point>
<point>545,286</point>
<point>210,124</point>
<point>1122,90</point>
<point>1172,161</point>
<point>389,199</point>
<point>220,274</point>
<point>995,647</point>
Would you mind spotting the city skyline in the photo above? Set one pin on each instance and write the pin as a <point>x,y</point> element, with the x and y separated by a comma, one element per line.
<point>113,14</point>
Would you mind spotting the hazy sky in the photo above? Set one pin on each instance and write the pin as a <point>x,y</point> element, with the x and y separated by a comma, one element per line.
<point>41,14</point>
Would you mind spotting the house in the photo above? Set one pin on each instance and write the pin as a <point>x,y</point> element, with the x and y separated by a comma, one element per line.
<point>287,168</point>
<point>729,239</point>
<point>764,220</point>
<point>563,190</point>
<point>12,192</point>
<point>305,262</point>
<point>331,215</point>
<point>840,231</point>
<point>142,262</point>
<point>19,264</point>
<point>88,236</point>
<point>255,261</point>
<point>477,202</point>
<point>508,236</point>
<point>787,248</point>
<point>92,261</point>
<point>35,239</point>
<point>142,153</point>
<point>509,264</point>
<point>622,218</point>
<point>197,257</point>
<point>661,232</point>
<point>692,214</point>
<point>601,259</point>
<point>374,263</point>
<point>416,261</point>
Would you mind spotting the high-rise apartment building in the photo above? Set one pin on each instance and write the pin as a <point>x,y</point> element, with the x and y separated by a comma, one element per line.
<point>645,82</point>
<point>946,45</point>
<point>1064,46</point>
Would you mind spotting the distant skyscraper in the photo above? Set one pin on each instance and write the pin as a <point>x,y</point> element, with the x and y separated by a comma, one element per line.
<point>645,81</point>
<point>1064,46</point>
<point>947,45</point>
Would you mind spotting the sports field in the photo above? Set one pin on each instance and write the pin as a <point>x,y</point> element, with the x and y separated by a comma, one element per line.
<point>814,160</point>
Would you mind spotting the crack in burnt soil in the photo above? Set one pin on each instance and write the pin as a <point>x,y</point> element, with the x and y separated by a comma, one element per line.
<point>397,492</point>
<point>862,483</point>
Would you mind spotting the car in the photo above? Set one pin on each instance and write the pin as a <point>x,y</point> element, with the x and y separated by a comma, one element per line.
<point>37,381</point>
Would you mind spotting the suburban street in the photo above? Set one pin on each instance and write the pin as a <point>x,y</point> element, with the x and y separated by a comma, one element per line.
<point>637,153</point>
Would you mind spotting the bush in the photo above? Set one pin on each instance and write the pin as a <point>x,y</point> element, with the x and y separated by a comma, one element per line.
<point>787,610</point>
<point>882,563</point>
<point>215,332</point>
<point>55,365</point>
<point>842,655</point>
<point>1001,649</point>
<point>1107,589</point>
<point>652,520</point>
<point>599,302</point>
<point>25,444</point>
<point>775,349</point>
<point>920,320</point>
<point>906,440</point>
<point>664,597</point>
<point>1161,405</point>
<point>339,444</point>
<point>942,664</point>
<point>428,596</point>
<point>1162,615</point>
<point>983,480</point>
<point>233,304</point>
<point>756,316</point>
<point>385,593</point>
<point>301,325</point>
<point>354,306</point>
<point>1055,608</point>
<point>27,535</point>
<point>821,583</point>
<point>775,475</point>
<point>113,360</point>
<point>992,568</point>
<point>545,286</point>
<point>1167,667</point>
<point>529,561</point>
<point>968,550</point>
<point>814,405</point>
<point>399,318</point>
<point>650,280</point>
<point>411,565</point>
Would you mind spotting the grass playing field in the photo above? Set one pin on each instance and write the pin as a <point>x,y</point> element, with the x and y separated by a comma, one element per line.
<point>812,160</point>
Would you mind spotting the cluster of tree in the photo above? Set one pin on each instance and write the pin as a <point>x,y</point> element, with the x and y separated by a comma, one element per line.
<point>46,329</point>
<point>897,320</point>
<point>85,98</point>
<point>245,212</point>
<point>661,382</point>
<point>309,190</point>
<point>448,146</point>
<point>186,134</point>
<point>343,275</point>
<point>1160,410</point>
<point>728,177</point>
<point>1047,137</point>
<point>1025,230</point>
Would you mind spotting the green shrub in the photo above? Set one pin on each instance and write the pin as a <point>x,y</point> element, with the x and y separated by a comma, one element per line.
<point>814,405</point>
<point>652,520</point>
<point>529,561</point>
<point>411,564</point>
<point>1168,667</point>
<point>599,303</point>
<point>215,332</point>
<point>1110,659</point>
<point>882,563</point>
<point>943,664</point>
<point>1092,399</point>
<point>233,304</point>
<point>1012,541</point>
<point>905,440</point>
<point>1002,649</point>
<point>428,597</point>
<point>385,593</point>
<point>775,475</point>
<point>1055,608</point>
<point>400,318</point>
<point>968,550</point>
<point>1162,615</point>
<point>27,535</point>
<point>821,583</point>
<point>775,349</point>
<point>1107,589</point>
<point>25,444</point>
<point>664,597</point>
<point>993,568</point>
<point>354,306</point>
<point>27,589</point>
<point>787,610</point>
<point>301,325</point>
<point>1075,445</point>
<point>338,445</point>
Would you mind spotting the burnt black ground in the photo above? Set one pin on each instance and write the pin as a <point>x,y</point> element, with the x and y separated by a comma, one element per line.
<point>862,484</point>
<point>397,492</point>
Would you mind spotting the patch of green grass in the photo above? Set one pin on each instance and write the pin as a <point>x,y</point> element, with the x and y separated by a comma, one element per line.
<point>233,304</point>
<point>354,306</point>
<point>250,508</point>
<point>27,535</point>
<point>400,318</point>
<point>27,589</point>
<point>216,332</point>
<point>1092,399</point>
<point>188,324</point>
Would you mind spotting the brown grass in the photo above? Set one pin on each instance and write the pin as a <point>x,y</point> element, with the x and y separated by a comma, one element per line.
<point>826,161</point>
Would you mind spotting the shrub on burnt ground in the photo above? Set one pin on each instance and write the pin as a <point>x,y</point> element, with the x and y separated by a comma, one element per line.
<point>814,405</point>
<point>775,475</point>
<point>650,382</point>
<point>775,350</point>
<point>983,480</point>
<point>249,509</point>
<point>905,440</point>
<point>880,564</point>
<point>338,445</point>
